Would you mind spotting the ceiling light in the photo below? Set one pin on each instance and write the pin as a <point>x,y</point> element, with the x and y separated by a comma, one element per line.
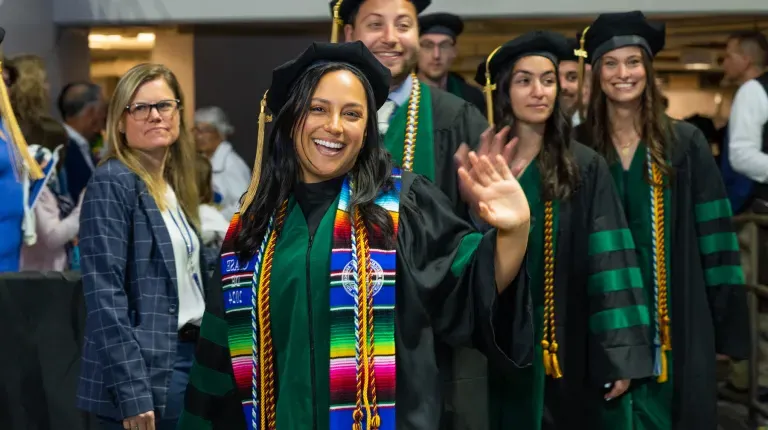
<point>698,66</point>
<point>145,37</point>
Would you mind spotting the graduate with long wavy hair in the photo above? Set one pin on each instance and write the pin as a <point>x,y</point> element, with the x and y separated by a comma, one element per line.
<point>590,316</point>
<point>340,272</point>
<point>680,217</point>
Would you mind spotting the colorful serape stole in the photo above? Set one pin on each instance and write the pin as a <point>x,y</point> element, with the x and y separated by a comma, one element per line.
<point>363,353</point>
<point>362,362</point>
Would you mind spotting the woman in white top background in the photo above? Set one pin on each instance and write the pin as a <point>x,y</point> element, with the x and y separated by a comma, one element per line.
<point>140,258</point>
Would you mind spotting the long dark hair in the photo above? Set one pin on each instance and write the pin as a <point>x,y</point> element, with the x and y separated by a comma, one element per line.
<point>656,128</point>
<point>559,173</point>
<point>280,170</point>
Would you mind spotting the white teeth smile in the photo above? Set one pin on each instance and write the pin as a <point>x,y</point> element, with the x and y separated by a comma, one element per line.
<point>388,54</point>
<point>624,86</point>
<point>327,144</point>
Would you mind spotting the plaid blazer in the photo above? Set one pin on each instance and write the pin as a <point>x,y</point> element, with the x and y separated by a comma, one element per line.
<point>131,297</point>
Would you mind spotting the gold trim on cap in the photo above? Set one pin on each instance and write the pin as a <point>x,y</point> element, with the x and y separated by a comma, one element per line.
<point>23,162</point>
<point>489,87</point>
<point>256,175</point>
<point>338,23</point>
<point>582,54</point>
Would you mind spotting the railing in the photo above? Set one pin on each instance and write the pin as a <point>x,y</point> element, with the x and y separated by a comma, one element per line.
<point>755,294</point>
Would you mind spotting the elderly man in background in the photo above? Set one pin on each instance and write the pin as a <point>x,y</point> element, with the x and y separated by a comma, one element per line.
<point>231,175</point>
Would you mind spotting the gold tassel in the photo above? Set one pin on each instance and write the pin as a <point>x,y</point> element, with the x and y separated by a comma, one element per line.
<point>337,22</point>
<point>662,378</point>
<point>556,372</point>
<point>18,143</point>
<point>582,54</point>
<point>546,358</point>
<point>489,87</point>
<point>256,175</point>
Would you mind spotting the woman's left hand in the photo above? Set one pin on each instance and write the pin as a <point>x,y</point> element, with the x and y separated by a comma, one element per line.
<point>496,194</point>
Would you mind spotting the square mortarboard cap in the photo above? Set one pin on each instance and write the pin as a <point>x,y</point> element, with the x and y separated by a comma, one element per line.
<point>548,44</point>
<point>284,78</point>
<point>353,53</point>
<point>347,8</point>
<point>441,23</point>
<point>616,30</point>
<point>573,46</point>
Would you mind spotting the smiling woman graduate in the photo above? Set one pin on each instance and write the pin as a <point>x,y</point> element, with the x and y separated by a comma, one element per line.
<point>680,218</point>
<point>340,272</point>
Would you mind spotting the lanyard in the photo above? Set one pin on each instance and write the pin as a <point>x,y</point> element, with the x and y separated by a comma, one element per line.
<point>189,245</point>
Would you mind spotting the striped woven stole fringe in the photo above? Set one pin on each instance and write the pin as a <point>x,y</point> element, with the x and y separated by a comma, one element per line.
<point>662,341</point>
<point>360,394</point>
<point>362,361</point>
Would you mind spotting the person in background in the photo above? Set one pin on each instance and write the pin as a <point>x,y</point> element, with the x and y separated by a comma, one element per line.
<point>30,98</point>
<point>568,71</point>
<point>437,41</point>
<point>745,166</point>
<point>84,111</point>
<point>17,169</point>
<point>56,214</point>
<point>141,260</point>
<point>213,225</point>
<point>57,222</point>
<point>231,174</point>
<point>427,131</point>
<point>680,219</point>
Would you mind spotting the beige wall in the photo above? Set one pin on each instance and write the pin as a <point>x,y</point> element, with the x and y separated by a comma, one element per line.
<point>177,52</point>
<point>171,48</point>
<point>687,99</point>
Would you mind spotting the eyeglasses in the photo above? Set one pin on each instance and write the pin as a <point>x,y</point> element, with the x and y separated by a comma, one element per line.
<point>166,109</point>
<point>430,46</point>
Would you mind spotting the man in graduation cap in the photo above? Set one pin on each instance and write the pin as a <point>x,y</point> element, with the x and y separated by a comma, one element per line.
<point>438,51</point>
<point>569,82</point>
<point>422,127</point>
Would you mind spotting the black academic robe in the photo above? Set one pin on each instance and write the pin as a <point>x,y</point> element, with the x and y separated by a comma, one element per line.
<point>445,290</point>
<point>457,86</point>
<point>600,309</point>
<point>454,121</point>
<point>708,305</point>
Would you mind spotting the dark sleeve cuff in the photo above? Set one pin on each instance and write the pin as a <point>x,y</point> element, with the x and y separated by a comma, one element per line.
<point>622,362</point>
<point>732,330</point>
<point>504,322</point>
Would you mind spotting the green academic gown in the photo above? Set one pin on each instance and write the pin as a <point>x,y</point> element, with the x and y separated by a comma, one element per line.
<point>445,122</point>
<point>601,314</point>
<point>445,290</point>
<point>706,295</point>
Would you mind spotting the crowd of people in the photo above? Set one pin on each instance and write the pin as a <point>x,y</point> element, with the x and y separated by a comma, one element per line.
<point>546,249</point>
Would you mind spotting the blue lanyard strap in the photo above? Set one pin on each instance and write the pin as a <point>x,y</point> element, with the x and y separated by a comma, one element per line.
<point>189,245</point>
